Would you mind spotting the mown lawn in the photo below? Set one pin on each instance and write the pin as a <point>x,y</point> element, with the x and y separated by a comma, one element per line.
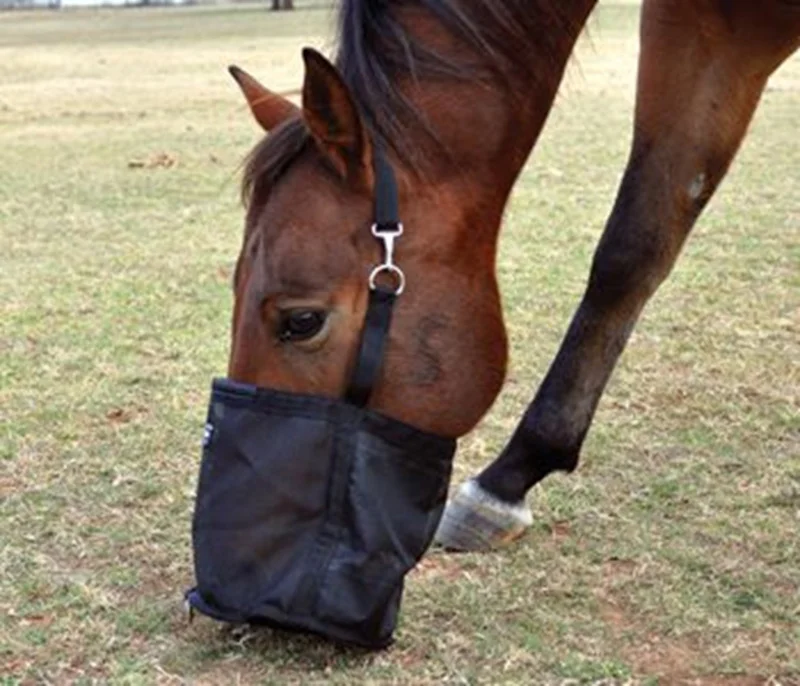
<point>671,556</point>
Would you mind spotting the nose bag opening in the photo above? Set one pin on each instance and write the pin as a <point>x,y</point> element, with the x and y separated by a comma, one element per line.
<point>311,511</point>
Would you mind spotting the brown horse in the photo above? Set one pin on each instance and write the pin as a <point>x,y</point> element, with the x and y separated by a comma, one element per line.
<point>457,92</point>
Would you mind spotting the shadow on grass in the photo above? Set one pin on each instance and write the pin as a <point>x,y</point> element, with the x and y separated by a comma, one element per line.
<point>256,645</point>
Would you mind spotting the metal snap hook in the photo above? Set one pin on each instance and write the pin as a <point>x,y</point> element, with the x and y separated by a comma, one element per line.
<point>388,235</point>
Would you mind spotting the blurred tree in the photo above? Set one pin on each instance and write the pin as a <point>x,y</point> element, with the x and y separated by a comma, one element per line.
<point>282,4</point>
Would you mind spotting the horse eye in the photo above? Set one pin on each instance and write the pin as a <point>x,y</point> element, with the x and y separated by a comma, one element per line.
<point>300,325</point>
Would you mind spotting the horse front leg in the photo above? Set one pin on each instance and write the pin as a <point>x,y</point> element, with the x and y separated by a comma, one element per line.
<point>702,68</point>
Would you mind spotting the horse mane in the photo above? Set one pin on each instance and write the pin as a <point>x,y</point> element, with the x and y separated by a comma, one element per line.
<point>375,49</point>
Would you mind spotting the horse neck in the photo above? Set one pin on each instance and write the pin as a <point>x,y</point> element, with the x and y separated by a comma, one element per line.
<point>489,128</point>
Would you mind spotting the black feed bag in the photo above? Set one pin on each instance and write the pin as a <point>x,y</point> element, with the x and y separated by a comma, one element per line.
<point>310,511</point>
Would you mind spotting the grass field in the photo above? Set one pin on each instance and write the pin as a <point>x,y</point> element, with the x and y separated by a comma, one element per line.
<point>671,556</point>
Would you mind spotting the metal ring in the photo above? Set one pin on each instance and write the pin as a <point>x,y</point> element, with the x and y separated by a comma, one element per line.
<point>396,273</point>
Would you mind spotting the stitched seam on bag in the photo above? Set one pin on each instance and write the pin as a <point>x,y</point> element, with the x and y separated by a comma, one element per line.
<point>322,572</point>
<point>325,541</point>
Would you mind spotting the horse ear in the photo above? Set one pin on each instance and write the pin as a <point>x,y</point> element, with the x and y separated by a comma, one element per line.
<point>268,108</point>
<point>333,119</point>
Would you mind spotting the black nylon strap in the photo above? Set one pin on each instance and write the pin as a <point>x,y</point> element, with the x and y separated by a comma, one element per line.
<point>386,204</point>
<point>373,343</point>
<point>381,300</point>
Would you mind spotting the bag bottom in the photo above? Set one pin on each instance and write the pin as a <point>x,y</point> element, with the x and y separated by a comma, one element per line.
<point>275,619</point>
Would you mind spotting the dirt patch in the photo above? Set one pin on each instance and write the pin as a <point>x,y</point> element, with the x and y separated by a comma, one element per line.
<point>560,530</point>
<point>616,569</point>
<point>673,660</point>
<point>8,485</point>
<point>121,415</point>
<point>444,567</point>
<point>161,160</point>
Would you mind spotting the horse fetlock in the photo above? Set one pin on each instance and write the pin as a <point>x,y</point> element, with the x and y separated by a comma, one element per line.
<point>475,520</point>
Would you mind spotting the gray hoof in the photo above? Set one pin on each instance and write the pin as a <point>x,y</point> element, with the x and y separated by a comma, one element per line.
<point>475,520</point>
